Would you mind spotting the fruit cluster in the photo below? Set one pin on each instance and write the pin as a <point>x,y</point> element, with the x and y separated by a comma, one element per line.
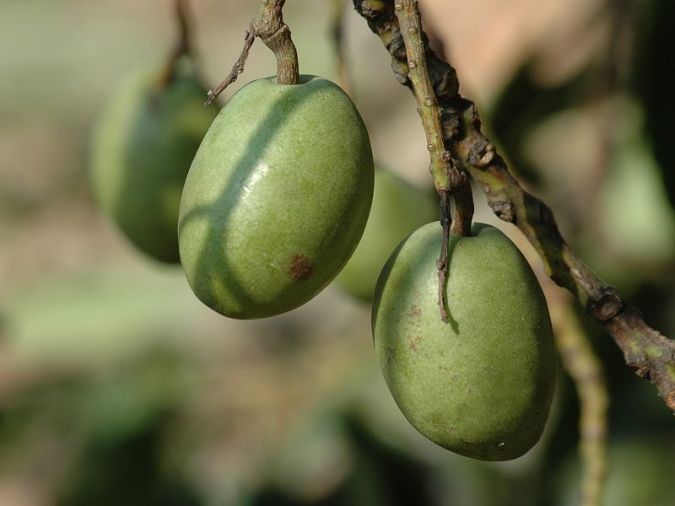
<point>276,200</point>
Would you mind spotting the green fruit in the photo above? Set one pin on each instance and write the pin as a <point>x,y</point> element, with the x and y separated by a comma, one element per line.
<point>276,199</point>
<point>480,385</point>
<point>143,147</point>
<point>398,209</point>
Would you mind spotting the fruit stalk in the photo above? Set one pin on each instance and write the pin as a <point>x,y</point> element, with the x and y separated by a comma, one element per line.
<point>448,179</point>
<point>269,26</point>
<point>183,45</point>
<point>649,353</point>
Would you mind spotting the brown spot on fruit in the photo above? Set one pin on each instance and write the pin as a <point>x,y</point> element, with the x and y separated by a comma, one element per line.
<point>301,267</point>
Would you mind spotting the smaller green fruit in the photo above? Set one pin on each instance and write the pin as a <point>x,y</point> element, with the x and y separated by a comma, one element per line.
<point>482,384</point>
<point>142,150</point>
<point>398,209</point>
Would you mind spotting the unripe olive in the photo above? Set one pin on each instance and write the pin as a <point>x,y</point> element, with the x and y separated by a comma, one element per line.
<point>480,385</point>
<point>398,209</point>
<point>142,150</point>
<point>277,197</point>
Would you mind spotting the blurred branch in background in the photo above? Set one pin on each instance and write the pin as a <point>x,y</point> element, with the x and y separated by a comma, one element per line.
<point>586,371</point>
<point>650,354</point>
<point>338,32</point>
<point>183,45</point>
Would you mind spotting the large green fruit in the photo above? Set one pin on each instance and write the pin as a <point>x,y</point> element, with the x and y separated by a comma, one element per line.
<point>480,385</point>
<point>143,146</point>
<point>398,209</point>
<point>277,197</point>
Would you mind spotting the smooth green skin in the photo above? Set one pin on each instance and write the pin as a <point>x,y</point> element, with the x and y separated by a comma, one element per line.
<point>482,384</point>
<point>398,209</point>
<point>276,199</point>
<point>142,149</point>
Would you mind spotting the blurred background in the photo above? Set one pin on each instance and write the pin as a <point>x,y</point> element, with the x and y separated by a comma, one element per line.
<point>118,387</point>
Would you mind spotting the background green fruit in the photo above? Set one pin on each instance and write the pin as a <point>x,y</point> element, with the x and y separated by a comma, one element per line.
<point>398,209</point>
<point>277,197</point>
<point>143,147</point>
<point>635,220</point>
<point>480,385</point>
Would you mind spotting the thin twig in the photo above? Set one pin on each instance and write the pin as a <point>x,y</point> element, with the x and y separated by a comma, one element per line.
<point>447,177</point>
<point>586,371</point>
<point>269,26</point>
<point>237,68</point>
<point>648,353</point>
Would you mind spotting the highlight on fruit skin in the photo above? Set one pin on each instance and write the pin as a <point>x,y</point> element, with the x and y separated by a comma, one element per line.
<point>276,199</point>
<point>398,209</point>
<point>142,148</point>
<point>482,384</point>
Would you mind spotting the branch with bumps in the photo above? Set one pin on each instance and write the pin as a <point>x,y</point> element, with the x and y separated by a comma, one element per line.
<point>448,179</point>
<point>649,353</point>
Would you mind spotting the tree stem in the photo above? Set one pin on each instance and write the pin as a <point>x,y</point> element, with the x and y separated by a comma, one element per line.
<point>270,27</point>
<point>585,369</point>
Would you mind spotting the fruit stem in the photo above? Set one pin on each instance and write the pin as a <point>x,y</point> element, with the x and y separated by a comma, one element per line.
<point>270,27</point>
<point>183,45</point>
<point>442,262</point>
<point>449,180</point>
